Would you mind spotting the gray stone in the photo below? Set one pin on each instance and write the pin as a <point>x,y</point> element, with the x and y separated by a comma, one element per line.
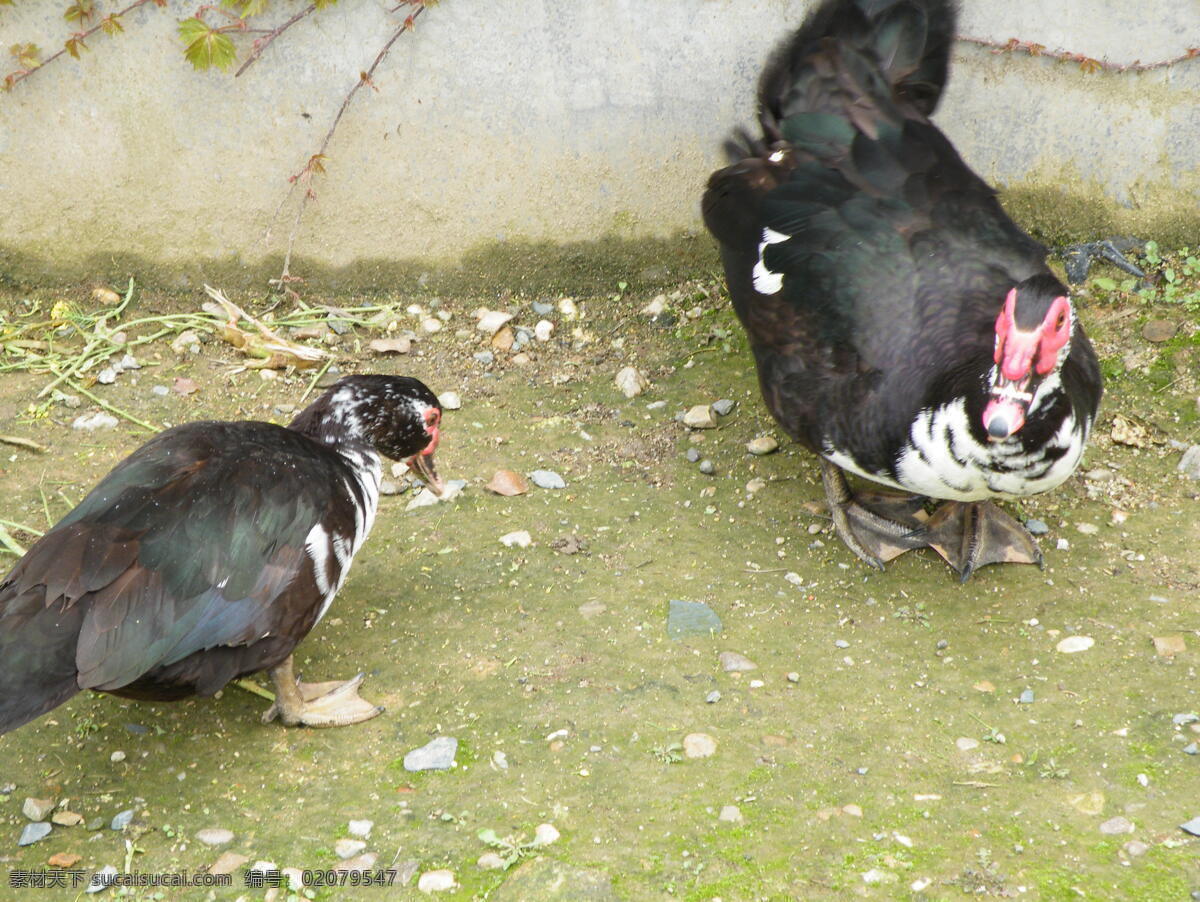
<point>542,309</point>
<point>724,407</point>
<point>841,643</point>
<point>361,828</point>
<point>1026,697</point>
<point>348,848</point>
<point>37,809</point>
<point>1189,464</point>
<point>96,419</point>
<point>699,745</point>
<point>33,832</point>
<point>1135,848</point>
<point>1036,527</point>
<point>101,879</point>
<point>1182,720</point>
<point>700,417</point>
<point>121,820</point>
<point>731,814</point>
<point>1191,749</point>
<point>713,697</point>
<point>435,755</point>
<point>1192,826</point>
<point>487,358</point>
<point>1115,826</point>
<point>707,467</point>
<point>692,454</point>
<point>691,618</point>
<point>732,661</point>
<point>214,836</point>
<point>764,444</point>
<point>161,390</point>
<point>547,479</point>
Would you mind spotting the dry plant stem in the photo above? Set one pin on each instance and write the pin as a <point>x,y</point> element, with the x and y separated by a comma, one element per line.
<point>23,443</point>
<point>262,44</point>
<point>79,36</point>
<point>1088,63</point>
<point>109,407</point>
<point>306,174</point>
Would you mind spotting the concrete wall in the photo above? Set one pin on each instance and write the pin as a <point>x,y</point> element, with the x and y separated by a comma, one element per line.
<point>528,119</point>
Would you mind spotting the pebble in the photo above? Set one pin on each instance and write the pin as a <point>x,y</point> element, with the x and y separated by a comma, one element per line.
<point>707,467</point>
<point>731,814</point>
<point>692,454</point>
<point>656,306</point>
<point>450,400</point>
<point>793,677</point>
<point>1191,749</point>
<point>699,745</point>
<point>732,661</point>
<point>1192,826</point>
<point>117,757</point>
<point>875,875</point>
<point>1026,697</point>
<point>724,407</point>
<point>1135,848</point>
<point>435,755</point>
<point>487,358</point>
<point>519,539</point>
<point>1189,464</point>
<point>436,881</point>
<point>841,643</point>
<point>966,743</point>
<point>568,309</point>
<point>757,684</point>
<point>547,479</point>
<point>214,836</point>
<point>545,834</point>
<point>715,696</point>
<point>541,308</point>
<point>764,444</point>
<point>1088,529</point>
<point>490,861</point>
<point>187,342</point>
<point>491,321</point>
<point>431,324</point>
<point>33,832</point>
<point>1062,545</point>
<point>691,618</point>
<point>1073,644</point>
<point>499,760</point>
<point>543,330</point>
<point>1115,826</point>
<point>107,376</point>
<point>630,382</point>
<point>426,498</point>
<point>1036,527</point>
<point>755,485</point>
<point>1091,803</point>
<point>64,860</point>
<point>96,419</point>
<point>121,820</point>
<point>361,828</point>
<point>507,483</point>
<point>66,818</point>
<point>700,417</point>
<point>100,879</point>
<point>37,809</point>
<point>1158,330</point>
<point>348,848</point>
<point>1169,646</point>
<point>387,487</point>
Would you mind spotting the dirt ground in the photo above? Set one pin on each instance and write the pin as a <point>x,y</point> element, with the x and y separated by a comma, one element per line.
<point>901,736</point>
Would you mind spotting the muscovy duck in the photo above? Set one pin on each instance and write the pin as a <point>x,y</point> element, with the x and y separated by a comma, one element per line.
<point>904,328</point>
<point>208,554</point>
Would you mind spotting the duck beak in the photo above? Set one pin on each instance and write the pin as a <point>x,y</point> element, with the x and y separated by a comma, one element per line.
<point>422,465</point>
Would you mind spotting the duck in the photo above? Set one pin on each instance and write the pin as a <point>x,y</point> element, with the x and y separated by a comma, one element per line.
<point>904,329</point>
<point>208,554</point>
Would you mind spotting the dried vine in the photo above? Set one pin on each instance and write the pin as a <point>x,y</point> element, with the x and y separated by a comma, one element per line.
<point>1086,63</point>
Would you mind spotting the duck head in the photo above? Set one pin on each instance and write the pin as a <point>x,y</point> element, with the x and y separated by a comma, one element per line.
<point>1033,338</point>
<point>397,416</point>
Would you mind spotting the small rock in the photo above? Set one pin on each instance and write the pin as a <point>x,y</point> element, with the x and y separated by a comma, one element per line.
<point>715,696</point>
<point>227,863</point>
<point>1073,644</point>
<point>793,677</point>
<point>700,417</point>
<point>507,483</point>
<point>1189,464</point>
<point>491,321</point>
<point>984,686</point>
<point>487,358</point>
<point>396,345</point>
<point>568,309</point>
<point>541,308</point>
<point>764,444</point>
<point>691,618</point>
<point>1062,545</point>
<point>117,757</point>
<point>1036,527</point>
<point>348,848</point>
<point>64,860</point>
<point>630,382</point>
<point>107,376</point>
<point>732,661</point>
<point>547,479</point>
<point>121,820</point>
<point>504,340</point>
<point>436,881</point>
<point>1115,826</point>
<point>1191,749</point>
<point>450,400</point>
<point>1159,330</point>
<point>699,745</point>
<point>96,419</point>
<point>692,454</point>
<point>1135,848</point>
<point>102,879</point>
<point>435,755</point>
<point>757,684</point>
<point>724,407</point>
<point>545,834</point>
<point>66,818</point>
<point>1091,803</point>
<point>731,814</point>
<point>841,643</point>
<point>387,487</point>
<point>214,836</point>
<point>875,875</point>
<point>106,296</point>
<point>490,861</point>
<point>966,743</point>
<point>184,386</point>
<point>161,390</point>
<point>1026,697</point>
<point>426,498</point>
<point>543,330</point>
<point>755,485</point>
<point>852,810</point>
<point>707,467</point>
<point>33,832</point>
<point>656,306</point>
<point>187,342</point>
<point>1192,826</point>
<point>431,324</point>
<point>1169,646</point>
<point>37,809</point>
<point>519,539</point>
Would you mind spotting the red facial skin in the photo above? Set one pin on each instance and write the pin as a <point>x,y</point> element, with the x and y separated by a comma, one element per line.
<point>421,463</point>
<point>1019,354</point>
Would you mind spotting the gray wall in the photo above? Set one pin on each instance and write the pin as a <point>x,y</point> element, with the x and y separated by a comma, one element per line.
<point>526,119</point>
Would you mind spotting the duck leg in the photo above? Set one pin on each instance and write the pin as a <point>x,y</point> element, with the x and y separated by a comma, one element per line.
<point>332,704</point>
<point>1077,259</point>
<point>970,535</point>
<point>875,526</point>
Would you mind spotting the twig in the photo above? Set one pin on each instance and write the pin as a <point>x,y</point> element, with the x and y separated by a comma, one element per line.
<point>24,443</point>
<point>253,688</point>
<point>8,543</point>
<point>315,379</point>
<point>77,40</point>
<point>109,407</point>
<point>1086,63</point>
<point>259,46</point>
<point>314,163</point>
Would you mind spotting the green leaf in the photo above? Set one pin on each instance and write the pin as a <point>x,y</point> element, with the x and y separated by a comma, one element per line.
<point>488,835</point>
<point>79,11</point>
<point>110,25</point>
<point>1105,284</point>
<point>206,47</point>
<point>29,56</point>
<point>1169,274</point>
<point>322,4</point>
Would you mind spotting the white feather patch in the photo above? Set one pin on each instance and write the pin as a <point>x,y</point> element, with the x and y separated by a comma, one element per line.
<point>765,281</point>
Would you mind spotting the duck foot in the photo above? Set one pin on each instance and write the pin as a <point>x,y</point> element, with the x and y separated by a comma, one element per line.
<point>970,535</point>
<point>876,526</point>
<point>330,704</point>
<point>1077,259</point>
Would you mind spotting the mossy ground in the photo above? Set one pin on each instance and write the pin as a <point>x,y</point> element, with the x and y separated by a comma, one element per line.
<point>468,638</point>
